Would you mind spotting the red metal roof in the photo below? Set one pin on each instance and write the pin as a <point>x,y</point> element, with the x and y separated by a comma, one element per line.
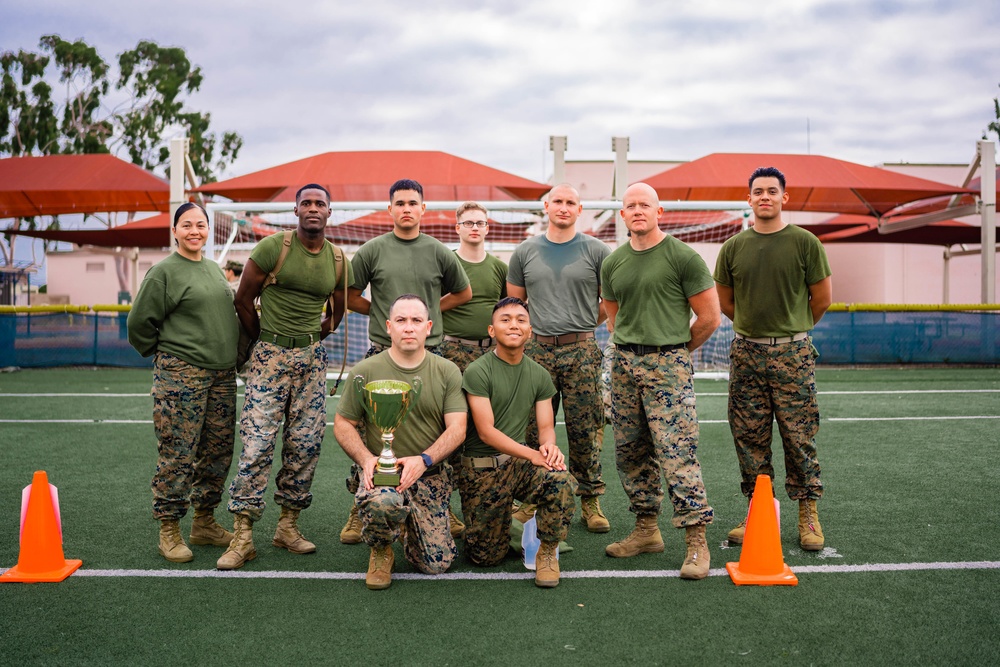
<point>65,184</point>
<point>814,183</point>
<point>367,175</point>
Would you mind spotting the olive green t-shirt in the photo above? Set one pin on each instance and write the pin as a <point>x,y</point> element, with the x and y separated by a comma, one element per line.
<point>513,391</point>
<point>393,267</point>
<point>770,275</point>
<point>293,306</point>
<point>424,423</point>
<point>652,288</point>
<point>185,308</point>
<point>489,284</point>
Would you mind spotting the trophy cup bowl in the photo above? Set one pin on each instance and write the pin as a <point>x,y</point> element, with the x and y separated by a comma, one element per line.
<point>386,403</point>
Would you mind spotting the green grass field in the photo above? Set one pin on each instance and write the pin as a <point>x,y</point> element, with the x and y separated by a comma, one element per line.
<point>910,575</point>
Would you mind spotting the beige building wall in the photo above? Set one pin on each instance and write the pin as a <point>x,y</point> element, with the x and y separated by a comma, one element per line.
<point>89,277</point>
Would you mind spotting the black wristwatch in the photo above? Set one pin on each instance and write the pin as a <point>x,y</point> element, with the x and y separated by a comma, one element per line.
<point>428,461</point>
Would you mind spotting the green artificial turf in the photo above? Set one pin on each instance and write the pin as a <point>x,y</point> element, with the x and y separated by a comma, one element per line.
<point>897,492</point>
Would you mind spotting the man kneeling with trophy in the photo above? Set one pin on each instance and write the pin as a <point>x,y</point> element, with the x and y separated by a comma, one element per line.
<point>413,407</point>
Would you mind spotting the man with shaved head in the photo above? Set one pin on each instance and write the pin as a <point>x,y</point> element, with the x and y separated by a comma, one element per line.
<point>416,511</point>
<point>651,285</point>
<point>559,275</point>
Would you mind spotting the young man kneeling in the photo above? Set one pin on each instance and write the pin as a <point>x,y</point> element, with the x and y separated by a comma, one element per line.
<point>502,387</point>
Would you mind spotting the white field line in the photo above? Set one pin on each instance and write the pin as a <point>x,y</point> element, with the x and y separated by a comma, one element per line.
<point>700,393</point>
<point>507,576</point>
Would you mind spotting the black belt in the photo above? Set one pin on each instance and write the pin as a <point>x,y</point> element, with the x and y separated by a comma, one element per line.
<point>433,471</point>
<point>290,341</point>
<point>648,349</point>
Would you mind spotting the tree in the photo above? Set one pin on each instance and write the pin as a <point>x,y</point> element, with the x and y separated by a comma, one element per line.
<point>133,115</point>
<point>994,127</point>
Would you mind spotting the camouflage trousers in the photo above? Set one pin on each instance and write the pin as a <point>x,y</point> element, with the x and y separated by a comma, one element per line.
<point>419,515</point>
<point>576,372</point>
<point>656,433</point>
<point>283,385</point>
<point>769,383</point>
<point>461,355</point>
<point>486,503</point>
<point>194,417</point>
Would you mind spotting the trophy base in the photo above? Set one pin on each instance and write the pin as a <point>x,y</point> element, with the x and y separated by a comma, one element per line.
<point>385,479</point>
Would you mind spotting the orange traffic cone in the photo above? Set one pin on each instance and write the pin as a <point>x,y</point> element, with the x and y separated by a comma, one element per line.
<point>761,562</point>
<point>41,557</point>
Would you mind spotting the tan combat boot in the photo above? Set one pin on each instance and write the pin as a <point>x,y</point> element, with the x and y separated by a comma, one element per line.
<point>645,538</point>
<point>288,536</point>
<point>241,549</point>
<point>593,517</point>
<point>379,575</point>
<point>206,530</point>
<point>524,512</point>
<point>810,532</point>
<point>172,545</point>
<point>351,532</point>
<point>698,559</point>
<point>547,565</point>
<point>457,527</point>
<point>736,535</point>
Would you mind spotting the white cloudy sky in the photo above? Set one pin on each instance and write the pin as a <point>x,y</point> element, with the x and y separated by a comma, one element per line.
<point>878,80</point>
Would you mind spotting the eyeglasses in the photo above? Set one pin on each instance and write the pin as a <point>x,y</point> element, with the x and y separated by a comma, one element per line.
<point>469,224</point>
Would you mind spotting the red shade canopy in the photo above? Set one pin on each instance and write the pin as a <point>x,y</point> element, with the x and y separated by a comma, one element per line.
<point>367,175</point>
<point>153,232</point>
<point>814,183</point>
<point>687,226</point>
<point>864,229</point>
<point>65,184</point>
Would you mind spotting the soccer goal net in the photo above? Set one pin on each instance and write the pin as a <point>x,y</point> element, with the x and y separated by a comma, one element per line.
<point>704,225</point>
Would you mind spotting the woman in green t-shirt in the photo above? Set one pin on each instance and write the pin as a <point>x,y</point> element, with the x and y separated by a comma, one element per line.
<point>184,316</point>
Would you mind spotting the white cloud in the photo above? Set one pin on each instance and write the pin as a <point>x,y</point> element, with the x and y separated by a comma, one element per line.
<point>490,81</point>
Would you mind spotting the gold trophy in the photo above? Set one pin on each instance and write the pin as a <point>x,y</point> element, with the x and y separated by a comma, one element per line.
<point>387,402</point>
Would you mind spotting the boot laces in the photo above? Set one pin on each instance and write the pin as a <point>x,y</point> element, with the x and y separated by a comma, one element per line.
<point>593,506</point>
<point>354,521</point>
<point>173,534</point>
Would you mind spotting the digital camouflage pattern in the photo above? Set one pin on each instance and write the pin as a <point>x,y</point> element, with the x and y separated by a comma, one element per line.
<point>486,505</point>
<point>283,385</point>
<point>656,429</point>
<point>194,417</point>
<point>419,515</point>
<point>461,355</point>
<point>775,383</point>
<point>576,372</point>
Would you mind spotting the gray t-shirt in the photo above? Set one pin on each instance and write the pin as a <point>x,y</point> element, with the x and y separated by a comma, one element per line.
<point>563,281</point>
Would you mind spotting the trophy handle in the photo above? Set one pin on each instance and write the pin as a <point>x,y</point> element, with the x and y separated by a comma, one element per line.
<point>359,389</point>
<point>418,385</point>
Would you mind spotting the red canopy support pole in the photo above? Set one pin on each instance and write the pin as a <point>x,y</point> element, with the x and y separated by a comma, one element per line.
<point>988,194</point>
<point>178,151</point>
